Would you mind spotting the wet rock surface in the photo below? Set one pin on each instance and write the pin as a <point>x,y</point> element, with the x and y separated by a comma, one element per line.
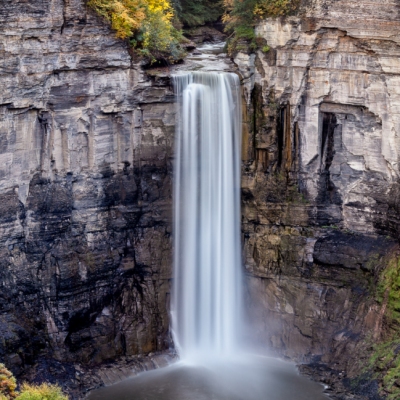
<point>79,379</point>
<point>206,34</point>
<point>320,182</point>
<point>338,386</point>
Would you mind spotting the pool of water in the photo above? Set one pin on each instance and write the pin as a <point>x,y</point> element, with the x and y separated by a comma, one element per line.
<point>244,378</point>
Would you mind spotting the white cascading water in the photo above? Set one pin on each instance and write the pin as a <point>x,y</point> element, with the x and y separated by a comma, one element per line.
<point>206,309</point>
<point>207,285</point>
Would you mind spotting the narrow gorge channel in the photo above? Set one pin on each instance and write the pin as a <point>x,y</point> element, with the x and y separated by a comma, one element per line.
<point>207,310</point>
<point>89,156</point>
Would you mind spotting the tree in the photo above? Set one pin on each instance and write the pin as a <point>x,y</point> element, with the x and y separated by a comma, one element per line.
<point>147,24</point>
<point>198,12</point>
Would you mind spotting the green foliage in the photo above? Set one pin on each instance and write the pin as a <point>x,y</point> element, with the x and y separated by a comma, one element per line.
<point>8,384</point>
<point>42,392</point>
<point>389,285</point>
<point>245,32</point>
<point>241,17</point>
<point>199,12</point>
<point>385,360</point>
<point>150,25</point>
<point>266,49</point>
<point>147,24</point>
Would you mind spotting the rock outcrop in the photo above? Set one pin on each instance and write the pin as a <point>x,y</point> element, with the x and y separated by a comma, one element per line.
<point>321,176</point>
<point>85,191</point>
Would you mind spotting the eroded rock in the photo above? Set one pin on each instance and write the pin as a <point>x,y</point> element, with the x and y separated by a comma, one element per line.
<point>320,178</point>
<point>85,181</point>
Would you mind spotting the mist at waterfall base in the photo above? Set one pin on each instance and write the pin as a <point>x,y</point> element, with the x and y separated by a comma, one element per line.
<point>207,308</point>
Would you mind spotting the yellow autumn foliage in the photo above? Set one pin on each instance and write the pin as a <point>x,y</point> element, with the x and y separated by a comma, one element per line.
<point>274,8</point>
<point>158,28</point>
<point>45,391</point>
<point>146,23</point>
<point>8,384</point>
<point>126,16</point>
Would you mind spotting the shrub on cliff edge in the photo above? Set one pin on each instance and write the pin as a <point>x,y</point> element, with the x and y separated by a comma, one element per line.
<point>42,392</point>
<point>8,384</point>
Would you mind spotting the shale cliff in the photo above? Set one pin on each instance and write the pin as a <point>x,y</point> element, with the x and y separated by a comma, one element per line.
<point>86,139</point>
<point>85,192</point>
<point>320,184</point>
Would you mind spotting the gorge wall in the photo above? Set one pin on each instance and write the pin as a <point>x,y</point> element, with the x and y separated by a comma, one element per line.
<point>86,148</point>
<point>321,176</point>
<point>85,192</point>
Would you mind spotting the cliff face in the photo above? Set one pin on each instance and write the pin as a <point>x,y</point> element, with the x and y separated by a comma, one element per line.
<point>86,143</point>
<point>85,190</point>
<point>321,175</point>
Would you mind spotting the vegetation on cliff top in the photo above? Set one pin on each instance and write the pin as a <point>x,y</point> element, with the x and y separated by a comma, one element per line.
<point>8,386</point>
<point>153,26</point>
<point>147,24</point>
<point>241,16</point>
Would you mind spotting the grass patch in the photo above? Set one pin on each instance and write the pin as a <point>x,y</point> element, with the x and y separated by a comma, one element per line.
<point>42,392</point>
<point>385,359</point>
<point>389,285</point>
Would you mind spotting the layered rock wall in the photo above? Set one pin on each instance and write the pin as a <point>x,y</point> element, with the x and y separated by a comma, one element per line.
<point>321,175</point>
<point>85,184</point>
<point>85,190</point>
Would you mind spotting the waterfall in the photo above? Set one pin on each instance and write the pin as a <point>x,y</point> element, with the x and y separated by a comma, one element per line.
<point>206,302</point>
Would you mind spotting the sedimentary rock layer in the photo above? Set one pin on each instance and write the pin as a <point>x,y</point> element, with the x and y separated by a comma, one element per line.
<point>321,175</point>
<point>85,185</point>
<point>85,190</point>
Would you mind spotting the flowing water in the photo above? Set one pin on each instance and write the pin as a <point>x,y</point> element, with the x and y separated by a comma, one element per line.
<point>207,276</point>
<point>207,298</point>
